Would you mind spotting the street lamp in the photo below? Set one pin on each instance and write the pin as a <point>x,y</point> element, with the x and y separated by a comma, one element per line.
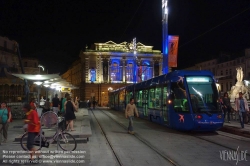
<point>40,66</point>
<point>110,89</point>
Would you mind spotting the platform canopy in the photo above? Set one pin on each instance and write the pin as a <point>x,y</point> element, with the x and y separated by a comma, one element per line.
<point>47,80</point>
<point>37,77</point>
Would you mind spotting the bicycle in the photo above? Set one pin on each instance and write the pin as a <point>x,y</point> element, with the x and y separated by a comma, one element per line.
<point>61,137</point>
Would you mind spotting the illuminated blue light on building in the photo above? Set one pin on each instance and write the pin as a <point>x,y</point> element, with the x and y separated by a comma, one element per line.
<point>92,75</point>
<point>115,71</point>
<point>129,71</point>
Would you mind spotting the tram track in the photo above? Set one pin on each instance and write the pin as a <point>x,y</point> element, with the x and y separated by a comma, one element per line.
<point>109,143</point>
<point>165,157</point>
<point>219,144</point>
<point>224,134</point>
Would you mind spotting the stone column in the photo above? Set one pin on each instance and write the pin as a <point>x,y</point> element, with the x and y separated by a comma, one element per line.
<point>153,68</point>
<point>101,69</point>
<point>109,77</point>
<point>123,70</point>
<point>98,59</point>
<point>160,67</point>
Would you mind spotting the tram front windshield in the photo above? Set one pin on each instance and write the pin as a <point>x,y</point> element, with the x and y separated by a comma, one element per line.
<point>203,94</point>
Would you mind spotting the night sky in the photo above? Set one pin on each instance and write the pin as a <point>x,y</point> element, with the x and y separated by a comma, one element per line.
<point>56,31</point>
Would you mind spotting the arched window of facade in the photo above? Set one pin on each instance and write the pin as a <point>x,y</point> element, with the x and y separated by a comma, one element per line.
<point>129,72</point>
<point>115,73</point>
<point>92,75</point>
<point>146,71</point>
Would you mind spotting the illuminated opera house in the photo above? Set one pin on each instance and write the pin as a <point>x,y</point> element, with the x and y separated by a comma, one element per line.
<point>106,66</point>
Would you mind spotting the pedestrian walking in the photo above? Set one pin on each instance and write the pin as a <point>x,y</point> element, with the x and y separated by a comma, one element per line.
<point>33,104</point>
<point>33,122</point>
<point>56,104</point>
<point>130,111</point>
<point>5,115</point>
<point>94,103</point>
<point>70,109</point>
<point>221,103</point>
<point>47,105</point>
<point>89,104</point>
<point>227,106</point>
<point>77,103</point>
<point>241,106</point>
<point>63,102</point>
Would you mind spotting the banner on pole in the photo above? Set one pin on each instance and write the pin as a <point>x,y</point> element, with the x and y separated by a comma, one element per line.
<point>172,50</point>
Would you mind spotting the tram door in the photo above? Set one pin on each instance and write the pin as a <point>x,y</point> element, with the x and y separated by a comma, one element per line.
<point>145,102</point>
<point>165,106</point>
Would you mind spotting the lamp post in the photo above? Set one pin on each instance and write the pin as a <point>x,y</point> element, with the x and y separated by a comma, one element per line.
<point>38,83</point>
<point>40,66</point>
<point>109,90</point>
<point>135,59</point>
<point>165,35</point>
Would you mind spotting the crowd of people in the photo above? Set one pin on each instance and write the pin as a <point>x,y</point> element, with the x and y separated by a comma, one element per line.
<point>61,108</point>
<point>241,107</point>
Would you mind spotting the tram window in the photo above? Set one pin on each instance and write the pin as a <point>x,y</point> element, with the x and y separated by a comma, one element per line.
<point>139,98</point>
<point>164,96</point>
<point>151,99</point>
<point>179,97</point>
<point>203,94</point>
<point>158,98</point>
<point>122,97</point>
<point>131,95</point>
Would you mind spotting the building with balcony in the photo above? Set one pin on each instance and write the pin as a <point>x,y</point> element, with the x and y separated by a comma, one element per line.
<point>110,66</point>
<point>224,68</point>
<point>12,88</point>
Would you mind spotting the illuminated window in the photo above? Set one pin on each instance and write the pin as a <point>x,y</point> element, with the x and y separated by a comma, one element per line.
<point>92,75</point>
<point>129,72</point>
<point>115,73</point>
<point>146,71</point>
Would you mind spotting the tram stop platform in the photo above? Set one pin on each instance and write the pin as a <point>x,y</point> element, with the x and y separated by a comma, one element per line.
<point>81,125</point>
<point>82,133</point>
<point>234,127</point>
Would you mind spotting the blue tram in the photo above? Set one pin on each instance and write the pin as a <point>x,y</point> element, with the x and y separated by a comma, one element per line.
<point>182,100</point>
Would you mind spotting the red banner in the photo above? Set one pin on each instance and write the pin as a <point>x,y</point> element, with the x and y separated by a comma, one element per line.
<point>172,50</point>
